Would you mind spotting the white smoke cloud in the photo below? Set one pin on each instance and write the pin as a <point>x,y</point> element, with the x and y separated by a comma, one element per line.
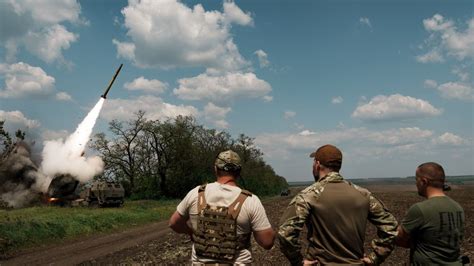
<point>65,157</point>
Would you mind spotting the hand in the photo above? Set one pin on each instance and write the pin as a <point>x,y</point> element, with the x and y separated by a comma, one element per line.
<point>367,261</point>
<point>310,262</point>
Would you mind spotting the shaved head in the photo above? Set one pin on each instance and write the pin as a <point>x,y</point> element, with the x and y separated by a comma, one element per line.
<point>433,172</point>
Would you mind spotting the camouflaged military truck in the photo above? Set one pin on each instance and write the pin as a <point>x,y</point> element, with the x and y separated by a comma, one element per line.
<point>105,193</point>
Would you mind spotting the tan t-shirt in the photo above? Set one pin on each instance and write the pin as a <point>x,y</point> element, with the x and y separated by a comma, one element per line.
<point>251,218</point>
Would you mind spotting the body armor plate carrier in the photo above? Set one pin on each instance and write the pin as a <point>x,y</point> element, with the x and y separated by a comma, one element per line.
<point>216,236</point>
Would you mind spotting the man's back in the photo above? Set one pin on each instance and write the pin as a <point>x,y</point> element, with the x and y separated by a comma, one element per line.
<point>338,222</point>
<point>251,218</point>
<point>436,228</point>
<point>336,213</point>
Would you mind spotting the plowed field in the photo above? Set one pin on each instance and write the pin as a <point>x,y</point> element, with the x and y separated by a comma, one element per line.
<point>156,244</point>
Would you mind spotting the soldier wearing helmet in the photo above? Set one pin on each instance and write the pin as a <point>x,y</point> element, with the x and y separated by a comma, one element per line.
<point>223,217</point>
<point>335,212</point>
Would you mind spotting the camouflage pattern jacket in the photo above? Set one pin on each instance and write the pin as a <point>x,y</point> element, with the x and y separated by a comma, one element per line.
<point>335,212</point>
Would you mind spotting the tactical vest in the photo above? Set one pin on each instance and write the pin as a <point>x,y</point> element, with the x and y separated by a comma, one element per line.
<point>216,236</point>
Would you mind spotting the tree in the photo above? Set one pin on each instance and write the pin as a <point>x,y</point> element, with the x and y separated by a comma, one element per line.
<point>6,142</point>
<point>121,155</point>
<point>167,158</point>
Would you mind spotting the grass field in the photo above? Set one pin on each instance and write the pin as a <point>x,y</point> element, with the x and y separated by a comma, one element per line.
<point>39,225</point>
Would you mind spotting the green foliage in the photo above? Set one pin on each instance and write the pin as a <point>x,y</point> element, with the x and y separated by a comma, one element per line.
<point>6,141</point>
<point>155,159</point>
<point>32,226</point>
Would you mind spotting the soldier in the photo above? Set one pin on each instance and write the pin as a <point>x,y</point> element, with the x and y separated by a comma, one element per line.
<point>223,217</point>
<point>335,212</point>
<point>432,229</point>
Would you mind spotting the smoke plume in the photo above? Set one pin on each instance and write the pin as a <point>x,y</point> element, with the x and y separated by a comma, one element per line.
<point>20,178</point>
<point>65,157</point>
<point>18,175</point>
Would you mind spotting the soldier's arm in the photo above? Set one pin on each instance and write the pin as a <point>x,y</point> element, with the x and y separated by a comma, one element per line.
<point>386,231</point>
<point>293,221</point>
<point>412,221</point>
<point>265,238</point>
<point>179,224</point>
<point>403,238</point>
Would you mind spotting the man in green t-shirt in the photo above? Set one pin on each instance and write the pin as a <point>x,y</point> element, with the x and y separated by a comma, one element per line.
<point>432,229</point>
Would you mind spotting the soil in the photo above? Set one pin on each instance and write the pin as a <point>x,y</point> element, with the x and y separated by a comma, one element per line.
<point>156,244</point>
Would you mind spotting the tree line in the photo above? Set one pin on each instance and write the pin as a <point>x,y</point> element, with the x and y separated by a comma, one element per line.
<point>165,159</point>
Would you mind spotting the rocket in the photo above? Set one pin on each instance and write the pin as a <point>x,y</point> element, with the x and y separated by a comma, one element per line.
<point>111,82</point>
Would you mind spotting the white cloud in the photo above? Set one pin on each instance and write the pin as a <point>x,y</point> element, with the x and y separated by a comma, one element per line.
<point>365,21</point>
<point>446,37</point>
<point>262,58</point>
<point>37,25</point>
<point>17,120</point>
<point>49,43</point>
<point>429,83</point>
<point>337,100</point>
<point>49,11</point>
<point>306,133</point>
<point>167,34</point>
<point>394,107</point>
<point>395,151</point>
<point>63,96</point>
<point>233,14</point>
<point>462,73</point>
<point>222,88</point>
<point>289,114</point>
<point>125,49</point>
<point>22,80</point>
<point>437,23</point>
<point>457,90</point>
<point>382,141</point>
<point>430,57</point>
<point>216,115</point>
<point>267,98</point>
<point>155,108</point>
<point>147,85</point>
<point>449,139</point>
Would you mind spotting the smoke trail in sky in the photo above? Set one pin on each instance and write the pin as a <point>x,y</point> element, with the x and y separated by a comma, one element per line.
<point>65,157</point>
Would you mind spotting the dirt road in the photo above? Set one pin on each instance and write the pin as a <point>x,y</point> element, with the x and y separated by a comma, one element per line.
<point>156,244</point>
<point>77,251</point>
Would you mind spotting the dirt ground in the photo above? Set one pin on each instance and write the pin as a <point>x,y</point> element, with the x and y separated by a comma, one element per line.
<point>156,244</point>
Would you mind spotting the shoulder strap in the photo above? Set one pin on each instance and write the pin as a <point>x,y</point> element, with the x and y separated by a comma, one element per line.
<point>234,207</point>
<point>246,192</point>
<point>201,199</point>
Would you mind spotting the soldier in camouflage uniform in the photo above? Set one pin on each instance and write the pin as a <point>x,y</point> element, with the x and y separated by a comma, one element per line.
<point>335,212</point>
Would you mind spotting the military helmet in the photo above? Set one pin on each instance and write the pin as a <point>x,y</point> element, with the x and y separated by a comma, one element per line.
<point>228,161</point>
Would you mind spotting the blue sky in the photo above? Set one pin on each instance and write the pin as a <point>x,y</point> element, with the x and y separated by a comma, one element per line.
<point>389,82</point>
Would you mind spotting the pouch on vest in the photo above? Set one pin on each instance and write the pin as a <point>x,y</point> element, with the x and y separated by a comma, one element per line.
<point>216,236</point>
